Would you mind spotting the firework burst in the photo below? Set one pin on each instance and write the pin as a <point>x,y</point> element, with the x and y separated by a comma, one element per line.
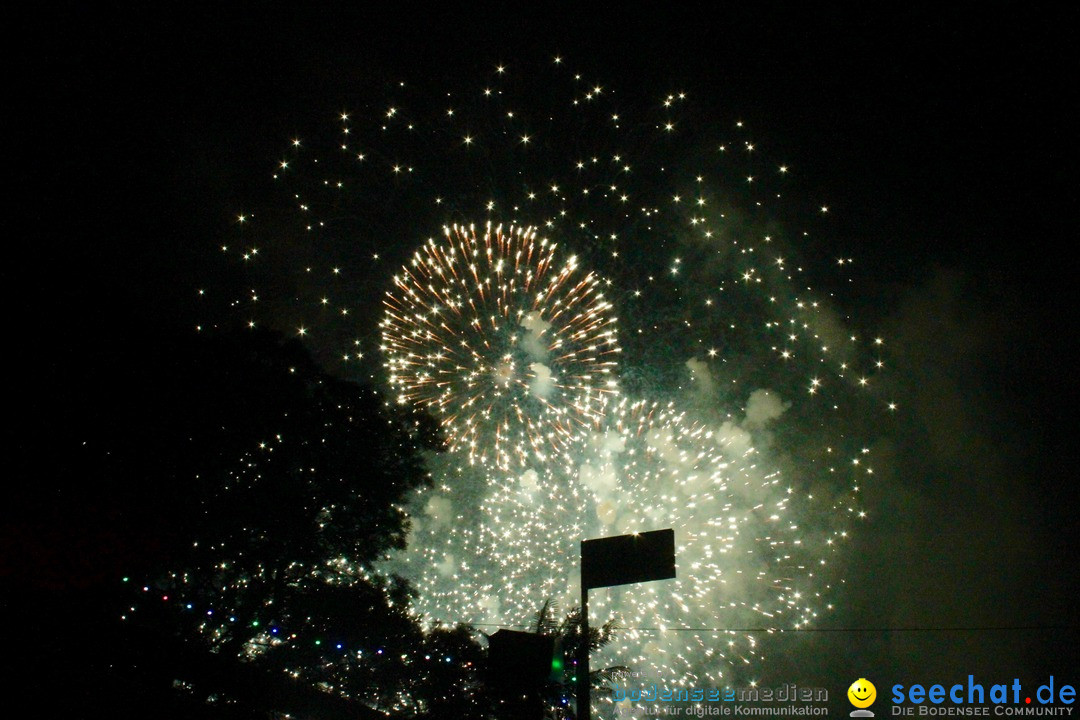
<point>733,414</point>
<point>753,550</point>
<point>512,351</point>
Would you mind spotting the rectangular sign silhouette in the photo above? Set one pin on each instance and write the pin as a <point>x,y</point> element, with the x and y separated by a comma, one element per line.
<point>626,559</point>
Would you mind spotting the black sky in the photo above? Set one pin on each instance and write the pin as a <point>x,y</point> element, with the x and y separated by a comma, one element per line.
<point>944,136</point>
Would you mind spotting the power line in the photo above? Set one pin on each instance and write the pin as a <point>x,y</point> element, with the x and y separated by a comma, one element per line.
<point>777,631</point>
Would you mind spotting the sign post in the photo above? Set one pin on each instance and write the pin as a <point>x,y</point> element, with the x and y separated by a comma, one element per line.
<point>618,560</point>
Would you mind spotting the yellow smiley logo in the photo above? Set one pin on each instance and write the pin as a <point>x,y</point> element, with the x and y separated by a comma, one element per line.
<point>862,693</point>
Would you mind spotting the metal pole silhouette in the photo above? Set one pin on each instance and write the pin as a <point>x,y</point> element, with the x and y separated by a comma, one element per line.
<point>584,699</point>
<point>618,560</point>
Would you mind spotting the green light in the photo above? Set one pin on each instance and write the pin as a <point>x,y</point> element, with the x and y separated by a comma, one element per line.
<point>255,624</point>
<point>318,642</point>
<point>556,664</point>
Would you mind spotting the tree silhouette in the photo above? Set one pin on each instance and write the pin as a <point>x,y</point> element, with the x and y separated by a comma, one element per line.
<point>567,630</point>
<point>286,487</point>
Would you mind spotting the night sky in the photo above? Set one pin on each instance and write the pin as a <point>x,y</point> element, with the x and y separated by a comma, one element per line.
<point>940,137</point>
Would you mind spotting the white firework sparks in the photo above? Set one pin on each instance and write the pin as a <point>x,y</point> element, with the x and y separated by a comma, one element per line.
<point>733,414</point>
<point>511,353</point>
<point>744,558</point>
